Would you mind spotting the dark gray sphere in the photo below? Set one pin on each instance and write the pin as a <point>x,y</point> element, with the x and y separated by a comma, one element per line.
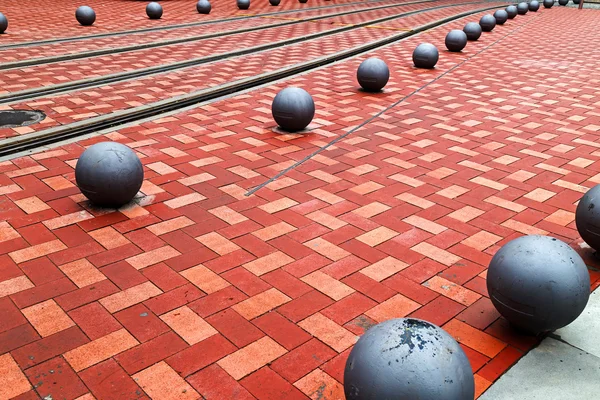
<point>563,2</point>
<point>472,30</point>
<point>293,109</point>
<point>548,3</point>
<point>243,4</point>
<point>522,8</point>
<point>408,358</point>
<point>538,283</point>
<point>302,1</point>
<point>535,5</point>
<point>3,23</point>
<point>154,10</point>
<point>511,11</point>
<point>587,217</point>
<point>274,2</point>
<point>109,174</point>
<point>456,40</point>
<point>425,55</point>
<point>501,17</point>
<point>373,74</point>
<point>203,7</point>
<point>487,22</point>
<point>85,15</point>
<point>576,1</point>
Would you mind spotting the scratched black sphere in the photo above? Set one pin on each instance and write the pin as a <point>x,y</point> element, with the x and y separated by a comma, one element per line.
<point>408,359</point>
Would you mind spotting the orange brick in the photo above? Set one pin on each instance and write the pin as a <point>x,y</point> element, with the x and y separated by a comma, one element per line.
<point>326,196</point>
<point>318,385</point>
<point>58,183</point>
<point>189,325</point>
<point>425,224</point>
<point>252,357</point>
<point>278,205</point>
<point>523,228</point>
<point>12,381</point>
<point>40,250</point>
<point>152,257</point>
<point>327,249</point>
<point>384,268</point>
<point>452,192</point>
<point>47,318</point>
<point>394,307</point>
<point>474,338</point>
<point>371,210</point>
<point>32,205</point>
<point>14,285</point>
<point>377,236</point>
<point>109,237</point>
<point>509,205</point>
<point>228,215</point>
<point>82,272</point>
<point>268,263</point>
<point>327,331</point>
<point>127,298</point>
<point>481,240</point>
<point>466,214</point>
<point>261,303</point>
<point>171,225</point>
<point>540,195</point>
<point>489,183</point>
<point>328,285</point>
<point>218,243</point>
<point>184,200</point>
<point>205,279</point>
<point>100,349</point>
<point>69,219</point>
<point>274,231</point>
<point>561,217</point>
<point>481,385</point>
<point>415,200</point>
<point>326,220</point>
<point>436,254</point>
<point>160,381</point>
<point>452,290</point>
<point>7,232</point>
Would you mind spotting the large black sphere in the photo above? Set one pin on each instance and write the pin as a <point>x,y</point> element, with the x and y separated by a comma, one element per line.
<point>501,17</point>
<point>535,5</point>
<point>563,2</point>
<point>472,30</point>
<point>293,109</point>
<point>548,3</point>
<point>3,23</point>
<point>456,40</point>
<point>511,11</point>
<point>487,22</point>
<point>203,7</point>
<point>409,359</point>
<point>243,4</point>
<point>373,74</point>
<point>587,217</point>
<point>522,8</point>
<point>576,1</point>
<point>154,10</point>
<point>302,1</point>
<point>425,55</point>
<point>85,15</point>
<point>538,283</point>
<point>274,2</point>
<point>109,174</point>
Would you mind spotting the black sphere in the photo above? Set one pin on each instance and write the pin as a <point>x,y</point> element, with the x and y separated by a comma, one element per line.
<point>501,17</point>
<point>538,283</point>
<point>85,15</point>
<point>408,358</point>
<point>203,7</point>
<point>302,1</point>
<point>109,174</point>
<point>274,2</point>
<point>522,8</point>
<point>373,74</point>
<point>154,10</point>
<point>548,3</point>
<point>587,217</point>
<point>293,109</point>
<point>563,2</point>
<point>535,5</point>
<point>3,23</point>
<point>243,4</point>
<point>576,1</point>
<point>487,22</point>
<point>425,55</point>
<point>511,11</point>
<point>456,40</point>
<point>473,30</point>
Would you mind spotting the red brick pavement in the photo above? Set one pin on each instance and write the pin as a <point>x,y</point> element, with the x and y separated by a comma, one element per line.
<point>197,284</point>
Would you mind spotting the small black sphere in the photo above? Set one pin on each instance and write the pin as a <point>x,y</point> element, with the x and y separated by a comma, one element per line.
<point>302,1</point>
<point>293,109</point>
<point>154,10</point>
<point>3,23</point>
<point>203,7</point>
<point>473,30</point>
<point>576,1</point>
<point>548,3</point>
<point>563,2</point>
<point>456,40</point>
<point>522,8</point>
<point>587,217</point>
<point>243,4</point>
<point>501,17</point>
<point>373,74</point>
<point>85,16</point>
<point>511,11</point>
<point>109,174</point>
<point>274,2</point>
<point>535,5</point>
<point>487,22</point>
<point>425,55</point>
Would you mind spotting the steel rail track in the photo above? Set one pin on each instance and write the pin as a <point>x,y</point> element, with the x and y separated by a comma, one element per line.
<point>35,93</point>
<point>151,45</point>
<point>31,141</point>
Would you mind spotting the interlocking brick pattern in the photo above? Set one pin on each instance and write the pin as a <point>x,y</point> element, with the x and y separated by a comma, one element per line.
<point>198,290</point>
